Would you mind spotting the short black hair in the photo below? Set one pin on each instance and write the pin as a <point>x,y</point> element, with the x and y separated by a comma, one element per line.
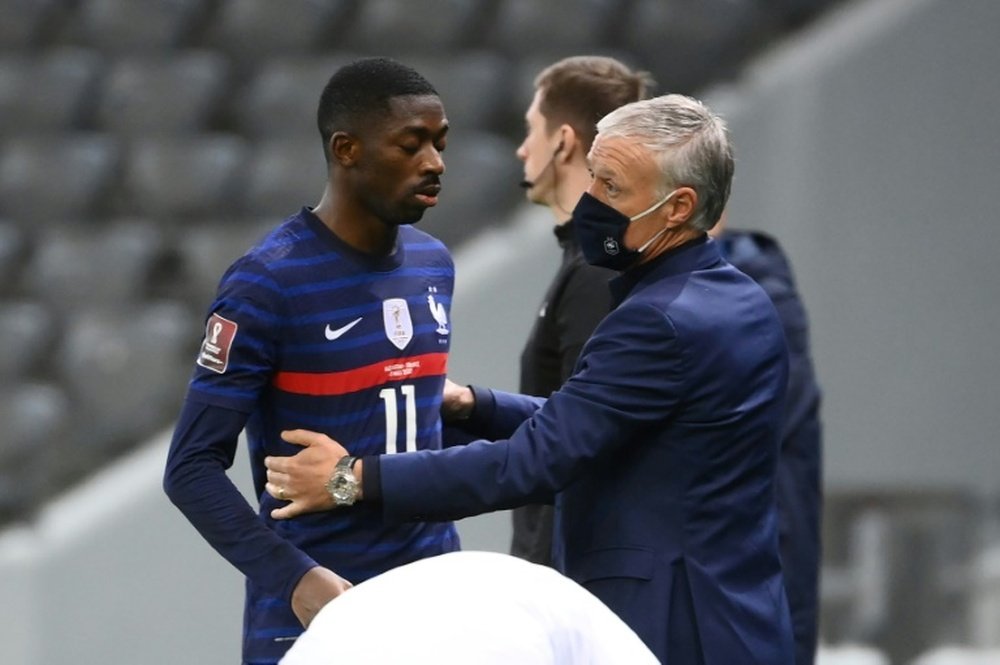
<point>363,88</point>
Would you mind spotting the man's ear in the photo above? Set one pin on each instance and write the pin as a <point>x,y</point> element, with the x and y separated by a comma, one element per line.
<point>568,143</point>
<point>344,149</point>
<point>681,208</point>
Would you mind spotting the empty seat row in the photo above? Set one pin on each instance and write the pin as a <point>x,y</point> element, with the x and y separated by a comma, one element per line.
<point>197,91</point>
<point>195,177</point>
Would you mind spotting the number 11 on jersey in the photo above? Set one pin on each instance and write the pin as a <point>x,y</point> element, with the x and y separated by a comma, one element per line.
<point>388,396</point>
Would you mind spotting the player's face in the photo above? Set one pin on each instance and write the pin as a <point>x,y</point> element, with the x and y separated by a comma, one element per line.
<point>536,151</point>
<point>400,172</point>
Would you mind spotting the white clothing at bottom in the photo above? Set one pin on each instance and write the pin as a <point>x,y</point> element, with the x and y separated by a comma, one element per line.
<point>468,607</point>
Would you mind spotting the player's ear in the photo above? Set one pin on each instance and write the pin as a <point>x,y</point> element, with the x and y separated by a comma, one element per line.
<point>344,149</point>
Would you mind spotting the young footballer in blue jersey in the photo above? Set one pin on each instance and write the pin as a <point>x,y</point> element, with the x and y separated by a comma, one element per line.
<point>337,321</point>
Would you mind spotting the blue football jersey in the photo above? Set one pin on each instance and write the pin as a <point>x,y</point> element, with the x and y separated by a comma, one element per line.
<point>307,332</point>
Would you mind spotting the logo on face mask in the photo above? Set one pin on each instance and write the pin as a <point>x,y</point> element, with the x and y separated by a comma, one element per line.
<point>600,230</point>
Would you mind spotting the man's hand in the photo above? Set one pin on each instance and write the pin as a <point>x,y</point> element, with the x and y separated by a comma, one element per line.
<point>316,588</point>
<point>457,402</point>
<point>301,479</point>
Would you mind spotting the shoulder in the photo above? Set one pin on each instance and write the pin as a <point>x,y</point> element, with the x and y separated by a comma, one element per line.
<point>424,246</point>
<point>757,254</point>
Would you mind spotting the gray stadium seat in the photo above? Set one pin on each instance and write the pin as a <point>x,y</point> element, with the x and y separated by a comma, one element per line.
<point>185,177</point>
<point>479,186</point>
<point>35,418</point>
<point>401,26</point>
<point>179,92</point>
<point>46,177</point>
<point>14,248</point>
<point>285,175</point>
<point>207,250</point>
<point>80,267</point>
<point>25,22</point>
<point>48,92</point>
<point>569,27</point>
<point>262,28</point>
<point>126,371</point>
<point>118,26</point>
<point>281,100</point>
<point>28,332</point>
<point>689,43</point>
<point>474,88</point>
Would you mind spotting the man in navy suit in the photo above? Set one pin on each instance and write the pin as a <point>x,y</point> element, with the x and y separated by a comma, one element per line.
<point>661,448</point>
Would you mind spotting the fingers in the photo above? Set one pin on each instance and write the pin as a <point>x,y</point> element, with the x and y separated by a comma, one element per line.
<point>303,437</point>
<point>288,511</point>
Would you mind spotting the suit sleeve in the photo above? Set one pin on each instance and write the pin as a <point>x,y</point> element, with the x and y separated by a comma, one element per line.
<point>631,375</point>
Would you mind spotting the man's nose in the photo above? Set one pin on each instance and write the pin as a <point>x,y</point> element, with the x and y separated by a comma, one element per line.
<point>434,162</point>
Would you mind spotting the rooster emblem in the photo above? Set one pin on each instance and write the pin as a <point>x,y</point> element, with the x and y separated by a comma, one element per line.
<point>439,314</point>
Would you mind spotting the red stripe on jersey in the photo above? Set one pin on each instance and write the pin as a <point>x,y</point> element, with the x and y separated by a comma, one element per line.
<point>369,376</point>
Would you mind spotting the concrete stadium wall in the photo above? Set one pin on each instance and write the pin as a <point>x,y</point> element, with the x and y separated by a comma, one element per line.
<point>871,147</point>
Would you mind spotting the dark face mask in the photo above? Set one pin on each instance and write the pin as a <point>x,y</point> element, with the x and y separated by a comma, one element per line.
<point>600,230</point>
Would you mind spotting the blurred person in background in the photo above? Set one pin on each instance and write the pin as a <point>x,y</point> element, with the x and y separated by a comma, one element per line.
<point>570,97</point>
<point>661,448</point>
<point>468,608</point>
<point>800,493</point>
<point>337,320</point>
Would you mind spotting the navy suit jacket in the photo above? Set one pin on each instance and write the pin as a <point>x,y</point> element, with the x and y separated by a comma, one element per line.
<point>662,450</point>
<point>800,494</point>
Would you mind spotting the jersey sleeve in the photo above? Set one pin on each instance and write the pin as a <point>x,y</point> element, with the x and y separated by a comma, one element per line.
<point>203,447</point>
<point>238,353</point>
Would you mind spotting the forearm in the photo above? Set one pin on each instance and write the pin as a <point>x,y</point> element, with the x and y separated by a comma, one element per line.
<point>196,482</point>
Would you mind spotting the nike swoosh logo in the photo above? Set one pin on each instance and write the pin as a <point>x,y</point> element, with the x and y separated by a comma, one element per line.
<point>334,334</point>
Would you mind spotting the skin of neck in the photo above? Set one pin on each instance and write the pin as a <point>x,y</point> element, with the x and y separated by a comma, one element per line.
<point>573,180</point>
<point>350,221</point>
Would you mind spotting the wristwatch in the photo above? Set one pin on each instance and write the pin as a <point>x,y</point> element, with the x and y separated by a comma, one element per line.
<point>343,486</point>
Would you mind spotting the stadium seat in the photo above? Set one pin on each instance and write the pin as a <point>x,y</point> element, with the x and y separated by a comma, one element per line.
<point>80,267</point>
<point>250,29</point>
<point>119,26</point>
<point>567,27</point>
<point>474,88</point>
<point>282,98</point>
<point>35,418</point>
<point>14,248</point>
<point>185,177</point>
<point>28,332</point>
<point>25,22</point>
<point>479,186</point>
<point>179,92</point>
<point>400,26</point>
<point>126,370</point>
<point>206,251</point>
<point>50,92</point>
<point>46,177</point>
<point>850,654</point>
<point>958,655</point>
<point>285,175</point>
<point>689,43</point>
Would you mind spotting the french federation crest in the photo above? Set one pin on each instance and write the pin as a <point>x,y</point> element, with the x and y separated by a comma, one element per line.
<point>398,324</point>
<point>439,313</point>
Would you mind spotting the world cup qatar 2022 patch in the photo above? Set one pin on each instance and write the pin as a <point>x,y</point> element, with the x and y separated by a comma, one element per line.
<point>219,336</point>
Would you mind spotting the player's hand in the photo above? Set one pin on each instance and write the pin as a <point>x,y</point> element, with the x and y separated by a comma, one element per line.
<point>457,402</point>
<point>301,479</point>
<point>316,588</point>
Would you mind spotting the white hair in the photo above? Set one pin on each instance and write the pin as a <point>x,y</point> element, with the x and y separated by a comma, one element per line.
<point>688,142</point>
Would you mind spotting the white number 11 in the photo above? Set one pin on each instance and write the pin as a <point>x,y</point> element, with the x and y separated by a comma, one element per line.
<point>388,396</point>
